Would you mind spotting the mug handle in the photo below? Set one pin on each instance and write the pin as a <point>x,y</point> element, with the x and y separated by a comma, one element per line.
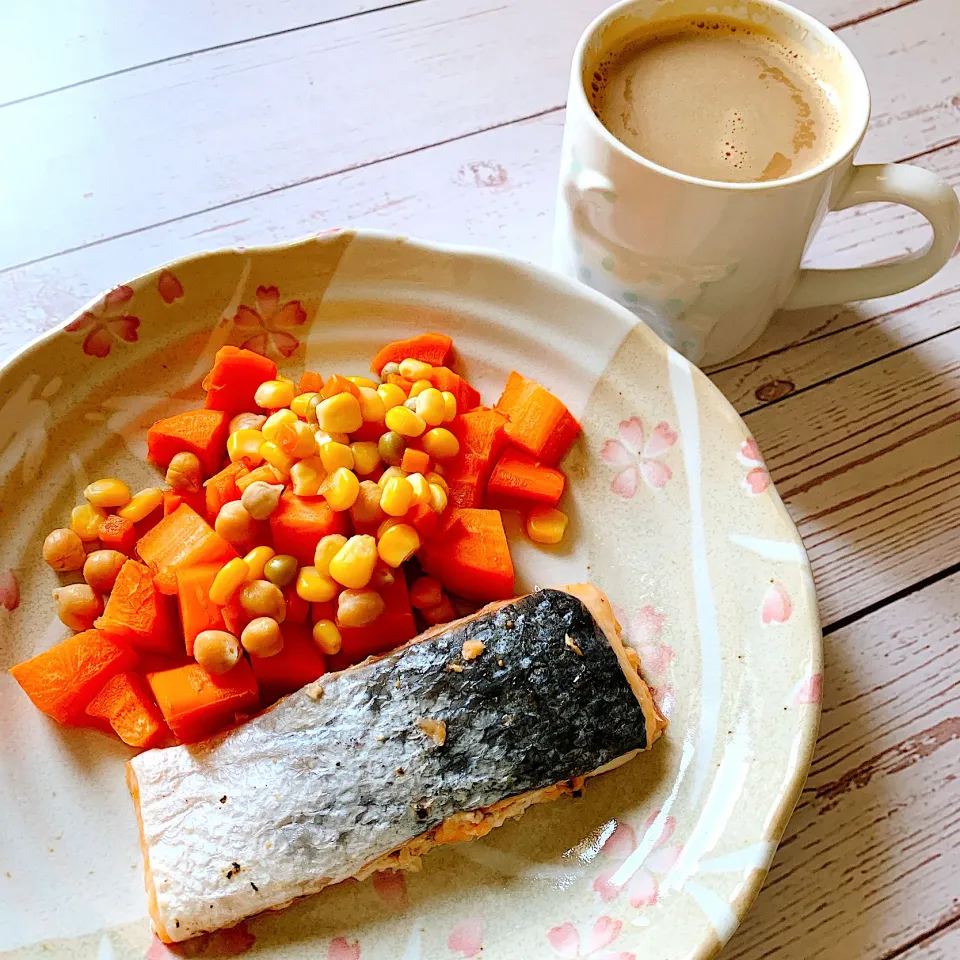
<point>891,183</point>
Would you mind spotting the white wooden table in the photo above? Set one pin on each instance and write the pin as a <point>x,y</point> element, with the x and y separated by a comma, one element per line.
<point>135,132</point>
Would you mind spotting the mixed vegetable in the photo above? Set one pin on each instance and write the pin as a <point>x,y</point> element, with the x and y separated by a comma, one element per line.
<point>292,517</point>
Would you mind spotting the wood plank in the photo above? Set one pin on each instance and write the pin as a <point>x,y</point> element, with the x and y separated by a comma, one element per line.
<point>270,115</point>
<point>868,466</point>
<point>55,43</point>
<point>869,860</point>
<point>943,945</point>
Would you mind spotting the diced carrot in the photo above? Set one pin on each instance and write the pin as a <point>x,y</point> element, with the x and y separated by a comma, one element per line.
<point>201,432</point>
<point>393,627</point>
<point>467,396</point>
<point>415,461</point>
<point>119,533</point>
<point>369,430</point>
<point>222,487</point>
<point>234,379</point>
<point>481,437</point>
<point>61,681</point>
<point>538,422</point>
<point>183,539</point>
<point>235,618</point>
<point>298,609</point>
<point>433,348</point>
<point>298,523</point>
<point>401,382</point>
<point>323,611</point>
<point>299,662</point>
<point>336,384</point>
<point>126,704</point>
<point>197,611</point>
<point>519,480</point>
<point>310,382</point>
<point>425,520</point>
<point>264,472</point>
<point>470,555</point>
<point>138,613</point>
<point>196,703</point>
<point>195,501</point>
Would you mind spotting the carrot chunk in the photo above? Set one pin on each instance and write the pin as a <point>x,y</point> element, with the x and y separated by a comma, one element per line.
<point>425,520</point>
<point>470,555</point>
<point>119,533</point>
<point>201,432</point>
<point>538,422</point>
<point>467,397</point>
<point>183,539</point>
<point>433,348</point>
<point>61,681</point>
<point>393,627</point>
<point>222,487</point>
<point>298,523</point>
<point>415,461</point>
<point>234,379</point>
<point>519,479</point>
<point>298,609</point>
<point>196,703</point>
<point>126,704</point>
<point>197,611</point>
<point>195,501</point>
<point>481,437</point>
<point>336,384</point>
<point>299,662</point>
<point>310,382</point>
<point>138,613</point>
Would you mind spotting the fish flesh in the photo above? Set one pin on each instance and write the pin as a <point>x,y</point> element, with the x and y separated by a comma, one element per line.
<point>363,770</point>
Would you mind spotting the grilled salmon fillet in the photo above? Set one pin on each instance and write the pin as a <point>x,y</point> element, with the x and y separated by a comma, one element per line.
<point>363,770</point>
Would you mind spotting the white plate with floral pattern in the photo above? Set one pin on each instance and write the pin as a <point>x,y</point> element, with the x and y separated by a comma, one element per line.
<point>672,514</point>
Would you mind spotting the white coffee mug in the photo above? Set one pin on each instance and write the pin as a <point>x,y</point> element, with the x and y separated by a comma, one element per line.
<point>704,263</point>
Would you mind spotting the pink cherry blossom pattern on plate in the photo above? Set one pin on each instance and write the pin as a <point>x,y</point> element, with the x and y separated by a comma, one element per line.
<point>391,888</point>
<point>566,941</point>
<point>777,606</point>
<point>106,323</point>
<point>642,632</point>
<point>637,456</point>
<point>222,943</point>
<point>9,590</point>
<point>758,478</point>
<point>643,887</point>
<point>467,937</point>
<point>342,949</point>
<point>169,287</point>
<point>809,690</point>
<point>268,325</point>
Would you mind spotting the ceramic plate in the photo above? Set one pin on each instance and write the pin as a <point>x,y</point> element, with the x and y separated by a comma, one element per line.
<point>672,514</point>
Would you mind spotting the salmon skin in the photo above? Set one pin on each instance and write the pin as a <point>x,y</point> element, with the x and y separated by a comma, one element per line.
<point>432,743</point>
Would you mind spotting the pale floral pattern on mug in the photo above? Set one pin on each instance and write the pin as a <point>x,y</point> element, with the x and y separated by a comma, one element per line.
<point>638,456</point>
<point>107,323</point>
<point>758,477</point>
<point>777,607</point>
<point>467,938</point>
<point>567,943</point>
<point>268,324</point>
<point>643,887</point>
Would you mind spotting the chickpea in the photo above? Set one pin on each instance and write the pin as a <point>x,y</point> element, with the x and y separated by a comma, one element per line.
<point>216,650</point>
<point>63,550</point>
<point>260,499</point>
<point>281,569</point>
<point>246,421</point>
<point>78,605</point>
<point>389,369</point>
<point>261,598</point>
<point>366,508</point>
<point>234,523</point>
<point>391,446</point>
<point>357,608</point>
<point>184,473</point>
<point>101,567</point>
<point>262,637</point>
<point>382,577</point>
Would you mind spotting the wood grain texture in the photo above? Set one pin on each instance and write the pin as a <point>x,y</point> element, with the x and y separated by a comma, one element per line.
<point>869,860</point>
<point>944,944</point>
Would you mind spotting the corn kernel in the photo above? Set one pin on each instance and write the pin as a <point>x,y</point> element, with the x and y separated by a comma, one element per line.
<point>245,443</point>
<point>366,508</point>
<point>340,413</point>
<point>366,457</point>
<point>300,403</point>
<point>425,592</point>
<point>282,379</point>
<point>421,489</point>
<point>392,395</point>
<point>314,587</point>
<point>141,505</point>
<point>430,407</point>
<point>307,476</point>
<point>256,560</point>
<point>276,457</point>
<point>334,455</point>
<point>415,369</point>
<point>246,421</point>
<point>449,406</point>
<point>389,474</point>
<point>397,496</point>
<point>434,478</point>
<point>230,578</point>
<point>273,394</point>
<point>296,439</point>
<point>363,382</point>
<point>398,544</point>
<point>273,422</point>
<point>440,443</point>
<point>438,498</point>
<point>419,388</point>
<point>86,521</point>
<point>327,637</point>
<point>341,487</point>
<point>353,565</point>
<point>328,547</point>
<point>546,525</point>
<point>107,493</point>
<point>405,422</point>
<point>372,407</point>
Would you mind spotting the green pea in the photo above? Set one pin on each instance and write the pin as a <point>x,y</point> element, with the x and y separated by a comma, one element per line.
<point>391,447</point>
<point>281,569</point>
